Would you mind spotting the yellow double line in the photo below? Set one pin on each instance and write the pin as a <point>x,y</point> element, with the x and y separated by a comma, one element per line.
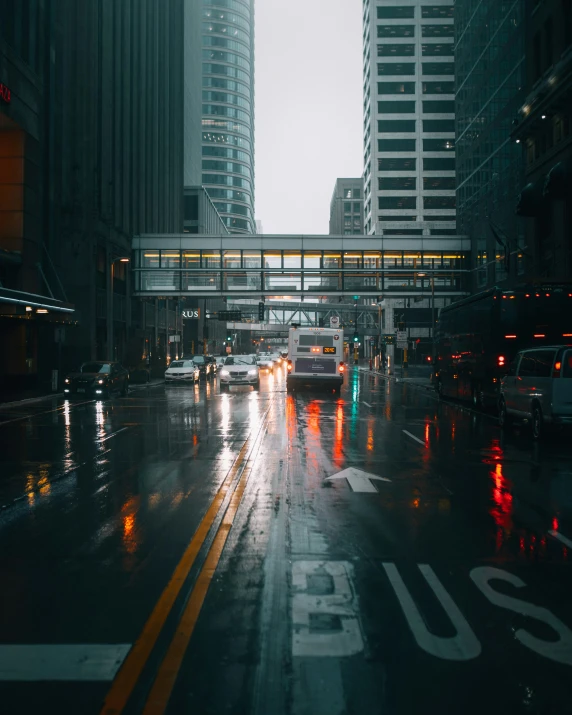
<point>128,675</point>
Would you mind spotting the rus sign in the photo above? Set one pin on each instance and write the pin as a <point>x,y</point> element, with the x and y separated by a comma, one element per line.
<point>191,314</point>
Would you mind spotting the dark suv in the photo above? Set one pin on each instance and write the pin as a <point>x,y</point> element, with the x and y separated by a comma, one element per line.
<point>205,365</point>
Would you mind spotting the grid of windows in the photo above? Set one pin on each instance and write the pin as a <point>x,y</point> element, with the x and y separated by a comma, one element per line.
<point>438,68</point>
<point>443,87</point>
<point>396,107</point>
<point>397,202</point>
<point>397,183</point>
<point>397,164</point>
<point>438,164</point>
<point>228,111</point>
<point>438,183</point>
<point>439,125</point>
<point>398,50</point>
<point>437,11</point>
<point>437,49</point>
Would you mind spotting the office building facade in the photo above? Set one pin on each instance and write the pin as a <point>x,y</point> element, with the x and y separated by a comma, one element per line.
<point>544,136</point>
<point>489,61</point>
<point>228,110</point>
<point>409,125</point>
<point>346,208</point>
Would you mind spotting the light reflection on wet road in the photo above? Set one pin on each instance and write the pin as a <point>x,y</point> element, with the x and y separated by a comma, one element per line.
<point>188,543</point>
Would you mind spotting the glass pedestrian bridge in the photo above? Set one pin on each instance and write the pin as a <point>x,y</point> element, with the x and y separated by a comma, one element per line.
<point>181,265</point>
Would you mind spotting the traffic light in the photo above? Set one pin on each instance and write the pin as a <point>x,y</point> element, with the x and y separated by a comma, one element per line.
<point>261,312</point>
<point>229,338</point>
<point>356,338</point>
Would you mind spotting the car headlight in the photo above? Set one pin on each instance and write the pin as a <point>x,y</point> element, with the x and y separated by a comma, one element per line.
<point>252,372</point>
<point>67,381</point>
<point>224,372</point>
<point>100,382</point>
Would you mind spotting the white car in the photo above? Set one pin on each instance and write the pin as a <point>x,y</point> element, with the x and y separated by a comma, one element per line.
<point>220,361</point>
<point>265,363</point>
<point>182,371</point>
<point>239,370</point>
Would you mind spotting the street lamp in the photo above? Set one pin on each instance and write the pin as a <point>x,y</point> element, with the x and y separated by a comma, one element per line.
<point>121,259</point>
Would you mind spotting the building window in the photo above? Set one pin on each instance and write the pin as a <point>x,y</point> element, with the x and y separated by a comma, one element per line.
<point>396,202</point>
<point>438,68</point>
<point>391,219</point>
<point>397,164</point>
<point>396,144</point>
<point>357,194</point>
<point>395,50</point>
<point>548,42</point>
<point>439,164</point>
<point>439,125</point>
<point>348,194</point>
<point>537,59</point>
<point>347,207</point>
<point>395,68</point>
<point>439,183</point>
<point>395,13</point>
<point>438,106</point>
<point>438,30</point>
<point>396,30</point>
<point>398,125</point>
<point>397,183</point>
<point>439,202</point>
<point>396,107</point>
<point>437,49</point>
<point>438,144</point>
<point>396,87</point>
<point>357,207</point>
<point>437,11</point>
<point>438,87</point>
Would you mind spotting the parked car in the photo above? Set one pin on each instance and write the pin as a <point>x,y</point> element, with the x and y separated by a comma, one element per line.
<point>240,370</point>
<point>97,379</point>
<point>182,371</point>
<point>204,364</point>
<point>265,363</point>
<point>538,388</point>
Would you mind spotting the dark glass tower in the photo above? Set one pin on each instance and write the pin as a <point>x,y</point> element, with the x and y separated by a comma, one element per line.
<point>228,110</point>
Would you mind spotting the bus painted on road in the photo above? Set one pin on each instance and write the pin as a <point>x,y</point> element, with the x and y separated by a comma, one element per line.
<point>315,356</point>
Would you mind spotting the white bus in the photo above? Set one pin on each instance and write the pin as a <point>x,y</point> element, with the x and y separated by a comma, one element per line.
<point>315,356</point>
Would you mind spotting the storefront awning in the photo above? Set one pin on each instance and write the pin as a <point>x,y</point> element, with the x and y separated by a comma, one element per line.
<point>36,302</point>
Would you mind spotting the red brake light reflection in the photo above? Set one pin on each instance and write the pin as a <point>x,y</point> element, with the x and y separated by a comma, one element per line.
<point>511,337</point>
<point>539,335</point>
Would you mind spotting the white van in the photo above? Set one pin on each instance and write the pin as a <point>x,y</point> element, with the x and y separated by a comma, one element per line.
<point>538,388</point>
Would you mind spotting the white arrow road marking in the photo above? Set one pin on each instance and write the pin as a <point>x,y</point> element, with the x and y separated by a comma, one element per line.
<point>358,480</point>
<point>91,662</point>
<point>414,437</point>
<point>561,537</point>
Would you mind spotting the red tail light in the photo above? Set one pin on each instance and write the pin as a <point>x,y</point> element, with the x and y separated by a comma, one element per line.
<point>556,371</point>
<point>501,361</point>
<point>289,365</point>
<point>341,367</point>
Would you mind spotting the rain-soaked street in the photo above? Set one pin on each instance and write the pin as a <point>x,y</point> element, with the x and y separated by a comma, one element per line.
<point>182,550</point>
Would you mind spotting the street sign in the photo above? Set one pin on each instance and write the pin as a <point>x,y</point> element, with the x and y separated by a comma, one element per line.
<point>401,335</point>
<point>334,321</point>
<point>194,314</point>
<point>372,342</point>
<point>403,344</point>
<point>174,338</point>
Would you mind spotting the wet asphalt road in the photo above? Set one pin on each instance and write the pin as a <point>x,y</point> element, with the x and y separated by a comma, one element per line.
<point>183,551</point>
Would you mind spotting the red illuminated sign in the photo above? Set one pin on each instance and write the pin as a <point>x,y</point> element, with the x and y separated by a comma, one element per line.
<point>5,93</point>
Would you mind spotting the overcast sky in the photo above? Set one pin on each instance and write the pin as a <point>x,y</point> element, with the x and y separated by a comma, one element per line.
<point>308,109</point>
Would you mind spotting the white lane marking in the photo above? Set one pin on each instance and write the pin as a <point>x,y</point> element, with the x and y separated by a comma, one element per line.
<point>560,650</point>
<point>324,610</point>
<point>113,434</point>
<point>366,403</point>
<point>414,437</point>
<point>358,480</point>
<point>463,646</point>
<point>33,663</point>
<point>561,537</point>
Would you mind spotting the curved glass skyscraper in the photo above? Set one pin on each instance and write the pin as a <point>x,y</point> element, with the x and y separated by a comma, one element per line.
<point>228,110</point>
